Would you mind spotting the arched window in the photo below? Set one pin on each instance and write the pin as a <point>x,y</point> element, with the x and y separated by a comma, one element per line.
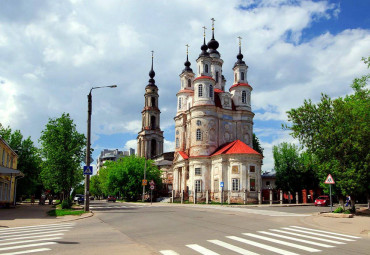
<point>199,135</point>
<point>236,77</point>
<point>211,91</point>
<point>242,76</point>
<point>153,102</point>
<point>177,143</point>
<point>153,147</point>
<point>206,68</point>
<point>199,69</point>
<point>216,76</point>
<point>180,103</point>
<point>200,90</point>
<point>244,97</point>
<point>189,83</point>
<point>152,122</point>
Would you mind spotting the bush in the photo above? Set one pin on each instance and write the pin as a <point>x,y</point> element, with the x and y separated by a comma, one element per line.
<point>348,211</point>
<point>339,210</point>
<point>66,204</point>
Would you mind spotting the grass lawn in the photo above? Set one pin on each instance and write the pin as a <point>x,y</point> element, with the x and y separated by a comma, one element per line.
<point>63,212</point>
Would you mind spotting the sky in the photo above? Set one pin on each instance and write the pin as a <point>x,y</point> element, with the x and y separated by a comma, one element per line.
<point>53,52</point>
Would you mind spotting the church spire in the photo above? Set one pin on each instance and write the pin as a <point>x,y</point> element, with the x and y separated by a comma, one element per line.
<point>152,73</point>
<point>213,44</point>
<point>187,62</point>
<point>204,47</point>
<point>240,55</point>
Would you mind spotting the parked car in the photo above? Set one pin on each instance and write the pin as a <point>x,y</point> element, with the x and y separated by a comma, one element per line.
<point>92,198</point>
<point>79,198</point>
<point>322,201</point>
<point>111,198</point>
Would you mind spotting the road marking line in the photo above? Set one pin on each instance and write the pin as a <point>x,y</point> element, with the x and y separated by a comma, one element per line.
<point>263,246</point>
<point>297,239</point>
<point>326,232</point>
<point>28,237</point>
<point>232,247</point>
<point>34,231</point>
<point>168,252</point>
<point>297,246</point>
<point>305,236</point>
<point>201,249</point>
<point>37,226</point>
<point>30,241</point>
<point>26,246</point>
<point>28,251</point>
<point>317,234</point>
<point>54,231</point>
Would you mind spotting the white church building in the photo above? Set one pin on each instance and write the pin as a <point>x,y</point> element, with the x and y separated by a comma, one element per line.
<point>213,132</point>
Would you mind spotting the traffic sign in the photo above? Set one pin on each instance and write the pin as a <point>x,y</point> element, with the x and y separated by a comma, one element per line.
<point>152,183</point>
<point>151,187</point>
<point>144,182</point>
<point>329,180</point>
<point>88,170</point>
<point>221,184</point>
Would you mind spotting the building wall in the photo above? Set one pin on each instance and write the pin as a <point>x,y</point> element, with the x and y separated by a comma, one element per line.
<point>8,159</point>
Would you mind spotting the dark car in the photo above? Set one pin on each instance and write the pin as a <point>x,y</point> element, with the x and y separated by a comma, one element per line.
<point>322,201</point>
<point>79,199</point>
<point>111,198</point>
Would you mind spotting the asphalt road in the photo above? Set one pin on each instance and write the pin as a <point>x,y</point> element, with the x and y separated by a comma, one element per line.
<point>128,228</point>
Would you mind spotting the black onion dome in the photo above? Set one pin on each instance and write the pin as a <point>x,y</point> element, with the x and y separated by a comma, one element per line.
<point>151,75</point>
<point>240,58</point>
<point>187,65</point>
<point>213,44</point>
<point>204,49</point>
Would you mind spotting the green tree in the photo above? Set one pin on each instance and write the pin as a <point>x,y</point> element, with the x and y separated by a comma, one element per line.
<point>257,145</point>
<point>62,150</point>
<point>336,131</point>
<point>95,186</point>
<point>125,175</point>
<point>29,161</point>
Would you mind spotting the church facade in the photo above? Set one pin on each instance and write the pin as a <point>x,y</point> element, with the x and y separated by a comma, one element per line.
<point>213,132</point>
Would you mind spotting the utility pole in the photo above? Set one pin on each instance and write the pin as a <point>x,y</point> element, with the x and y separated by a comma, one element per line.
<point>143,198</point>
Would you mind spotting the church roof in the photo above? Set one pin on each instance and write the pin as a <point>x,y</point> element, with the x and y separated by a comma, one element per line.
<point>204,77</point>
<point>236,147</point>
<point>183,155</point>
<point>186,91</point>
<point>239,85</point>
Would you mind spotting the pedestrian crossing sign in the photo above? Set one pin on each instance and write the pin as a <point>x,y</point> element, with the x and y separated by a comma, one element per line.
<point>88,170</point>
<point>329,180</point>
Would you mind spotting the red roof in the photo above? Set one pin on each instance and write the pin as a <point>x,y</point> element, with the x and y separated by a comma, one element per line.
<point>236,147</point>
<point>240,85</point>
<point>183,155</point>
<point>218,91</point>
<point>204,77</point>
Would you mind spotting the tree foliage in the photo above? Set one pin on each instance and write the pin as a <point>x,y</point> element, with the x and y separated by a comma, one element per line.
<point>336,131</point>
<point>95,186</point>
<point>29,161</point>
<point>62,150</point>
<point>257,145</point>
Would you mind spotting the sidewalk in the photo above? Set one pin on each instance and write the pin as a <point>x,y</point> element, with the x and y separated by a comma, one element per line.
<point>27,215</point>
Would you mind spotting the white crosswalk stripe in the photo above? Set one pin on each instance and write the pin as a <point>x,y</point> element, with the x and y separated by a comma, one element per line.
<point>262,242</point>
<point>30,239</point>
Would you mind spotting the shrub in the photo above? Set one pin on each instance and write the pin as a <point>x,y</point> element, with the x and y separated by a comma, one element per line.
<point>66,204</point>
<point>348,211</point>
<point>339,210</point>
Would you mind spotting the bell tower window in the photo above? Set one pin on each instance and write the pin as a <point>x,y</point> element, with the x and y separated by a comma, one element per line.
<point>199,135</point>
<point>244,97</point>
<point>242,76</point>
<point>236,77</point>
<point>152,122</point>
<point>153,102</point>
<point>189,83</point>
<point>177,143</point>
<point>206,68</point>
<point>200,90</point>
<point>211,91</point>
<point>217,76</point>
<point>180,103</point>
<point>153,148</point>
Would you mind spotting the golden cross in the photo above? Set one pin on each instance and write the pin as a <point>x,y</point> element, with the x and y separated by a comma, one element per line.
<point>240,40</point>
<point>187,49</point>
<point>152,54</point>
<point>213,23</point>
<point>204,33</point>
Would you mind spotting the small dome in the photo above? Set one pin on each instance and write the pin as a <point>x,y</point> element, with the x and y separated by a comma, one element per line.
<point>204,49</point>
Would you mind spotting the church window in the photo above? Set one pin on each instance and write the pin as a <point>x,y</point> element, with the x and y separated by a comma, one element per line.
<point>199,135</point>
<point>179,103</point>
<point>242,76</point>
<point>252,184</point>
<point>153,148</point>
<point>177,132</point>
<point>244,97</point>
<point>198,171</point>
<point>199,123</point>
<point>206,68</point>
<point>211,91</point>
<point>235,184</point>
<point>236,76</point>
<point>216,76</point>
<point>252,169</point>
<point>177,143</point>
<point>189,83</point>
<point>152,122</point>
<point>200,90</point>
<point>153,102</point>
<point>216,185</point>
<point>198,186</point>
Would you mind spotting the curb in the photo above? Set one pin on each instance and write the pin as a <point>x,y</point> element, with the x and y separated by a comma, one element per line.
<point>336,215</point>
<point>81,217</point>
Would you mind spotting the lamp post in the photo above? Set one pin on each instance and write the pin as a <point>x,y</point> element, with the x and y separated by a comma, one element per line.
<point>88,158</point>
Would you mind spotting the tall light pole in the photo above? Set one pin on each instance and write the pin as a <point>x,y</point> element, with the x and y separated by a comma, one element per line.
<point>87,177</point>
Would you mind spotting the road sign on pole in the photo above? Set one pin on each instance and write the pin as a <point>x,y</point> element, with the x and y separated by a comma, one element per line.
<point>221,184</point>
<point>152,183</point>
<point>88,170</point>
<point>151,187</point>
<point>144,182</point>
<point>329,180</point>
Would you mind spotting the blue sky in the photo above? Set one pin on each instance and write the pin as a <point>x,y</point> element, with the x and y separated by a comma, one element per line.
<point>53,52</point>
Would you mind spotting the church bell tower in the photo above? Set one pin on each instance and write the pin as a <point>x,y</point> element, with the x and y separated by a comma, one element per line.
<point>150,138</point>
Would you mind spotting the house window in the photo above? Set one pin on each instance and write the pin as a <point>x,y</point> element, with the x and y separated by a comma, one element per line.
<point>252,169</point>
<point>252,184</point>
<point>11,162</point>
<point>198,171</point>
<point>244,97</point>
<point>198,186</point>
<point>189,83</point>
<point>200,90</point>
<point>242,76</point>
<point>179,103</point>
<point>199,135</point>
<point>206,68</point>
<point>267,183</point>
<point>177,143</point>
<point>210,91</point>
<point>235,183</point>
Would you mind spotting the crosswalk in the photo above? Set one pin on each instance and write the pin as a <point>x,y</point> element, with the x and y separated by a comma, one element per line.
<point>31,239</point>
<point>118,207</point>
<point>286,241</point>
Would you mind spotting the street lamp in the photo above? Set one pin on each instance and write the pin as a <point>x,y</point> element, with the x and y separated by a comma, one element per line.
<point>87,177</point>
